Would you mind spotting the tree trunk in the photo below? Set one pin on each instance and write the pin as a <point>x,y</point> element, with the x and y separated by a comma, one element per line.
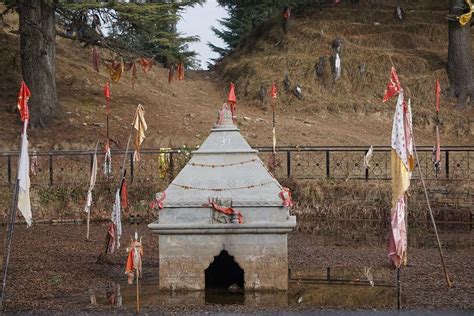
<point>460,71</point>
<point>38,57</point>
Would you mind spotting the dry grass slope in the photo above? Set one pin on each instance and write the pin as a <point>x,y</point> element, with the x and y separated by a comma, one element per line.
<point>372,36</point>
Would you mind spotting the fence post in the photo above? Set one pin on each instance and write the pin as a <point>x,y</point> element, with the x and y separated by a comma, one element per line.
<point>9,170</point>
<point>328,169</point>
<point>131,167</point>
<point>288,164</point>
<point>50,169</point>
<point>447,164</point>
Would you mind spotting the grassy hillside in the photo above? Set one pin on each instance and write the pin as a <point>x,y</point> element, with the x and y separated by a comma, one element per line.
<point>182,113</point>
<point>372,37</point>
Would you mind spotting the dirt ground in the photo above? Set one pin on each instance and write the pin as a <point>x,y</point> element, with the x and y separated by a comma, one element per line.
<point>182,113</point>
<point>54,269</point>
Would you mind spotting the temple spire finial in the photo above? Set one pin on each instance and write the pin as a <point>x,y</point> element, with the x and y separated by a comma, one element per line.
<point>224,117</point>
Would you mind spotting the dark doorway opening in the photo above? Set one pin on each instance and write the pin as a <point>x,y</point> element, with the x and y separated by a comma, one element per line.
<point>224,273</point>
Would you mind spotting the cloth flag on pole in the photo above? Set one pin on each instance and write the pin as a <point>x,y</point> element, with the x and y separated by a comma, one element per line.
<point>402,164</point>
<point>23,97</point>
<point>274,92</point>
<point>393,87</point>
<point>134,260</point>
<point>24,203</point>
<point>337,67</point>
<point>107,97</point>
<point>117,218</point>
<point>107,91</point>
<point>87,208</point>
<point>467,16</point>
<point>140,126</point>
<point>107,160</point>
<point>438,91</point>
<point>124,194</point>
<point>368,156</point>
<point>232,99</point>
<point>145,63</point>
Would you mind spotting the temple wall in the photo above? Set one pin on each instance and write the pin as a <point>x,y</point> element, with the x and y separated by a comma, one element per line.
<point>263,257</point>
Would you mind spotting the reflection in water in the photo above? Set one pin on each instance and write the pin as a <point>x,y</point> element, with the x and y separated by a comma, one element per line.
<point>328,287</point>
<point>223,297</point>
<point>113,294</point>
<point>314,295</point>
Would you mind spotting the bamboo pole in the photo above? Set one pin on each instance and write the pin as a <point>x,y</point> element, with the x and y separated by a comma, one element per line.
<point>88,224</point>
<point>399,290</point>
<point>138,291</point>
<point>448,282</point>
<point>11,223</point>
<point>273,138</point>
<point>8,240</point>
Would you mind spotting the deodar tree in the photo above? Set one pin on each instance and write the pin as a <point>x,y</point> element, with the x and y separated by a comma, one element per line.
<point>38,54</point>
<point>460,71</point>
<point>144,29</point>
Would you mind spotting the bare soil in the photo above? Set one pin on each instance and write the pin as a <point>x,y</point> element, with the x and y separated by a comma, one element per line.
<point>54,269</point>
<point>181,113</point>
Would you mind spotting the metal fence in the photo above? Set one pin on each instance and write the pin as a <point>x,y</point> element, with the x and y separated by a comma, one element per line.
<point>73,167</point>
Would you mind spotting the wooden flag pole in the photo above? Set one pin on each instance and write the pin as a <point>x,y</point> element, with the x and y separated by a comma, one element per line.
<point>138,291</point>
<point>273,138</point>
<point>8,239</point>
<point>88,223</point>
<point>399,290</point>
<point>448,282</point>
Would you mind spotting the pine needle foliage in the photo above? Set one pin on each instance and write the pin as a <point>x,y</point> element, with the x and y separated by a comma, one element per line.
<point>244,16</point>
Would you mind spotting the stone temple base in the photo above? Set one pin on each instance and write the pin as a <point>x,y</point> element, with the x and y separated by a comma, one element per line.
<point>262,257</point>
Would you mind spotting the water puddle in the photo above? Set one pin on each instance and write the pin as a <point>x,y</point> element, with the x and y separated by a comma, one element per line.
<point>328,288</point>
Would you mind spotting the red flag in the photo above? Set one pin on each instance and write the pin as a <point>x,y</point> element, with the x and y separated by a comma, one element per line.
<point>438,91</point>
<point>274,91</point>
<point>107,91</point>
<point>124,194</point>
<point>393,87</point>
<point>146,63</point>
<point>107,97</point>
<point>22,104</point>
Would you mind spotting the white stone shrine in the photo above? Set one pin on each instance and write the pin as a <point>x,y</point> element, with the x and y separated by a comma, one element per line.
<point>201,247</point>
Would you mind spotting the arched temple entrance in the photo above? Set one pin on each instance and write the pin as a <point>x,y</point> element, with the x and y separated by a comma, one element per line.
<point>224,272</point>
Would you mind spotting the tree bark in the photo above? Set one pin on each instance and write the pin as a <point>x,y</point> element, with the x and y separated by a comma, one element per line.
<point>460,71</point>
<point>38,58</point>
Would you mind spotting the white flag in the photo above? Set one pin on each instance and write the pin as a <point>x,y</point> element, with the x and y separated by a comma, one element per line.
<point>24,204</point>
<point>87,208</point>
<point>368,156</point>
<point>337,66</point>
<point>116,217</point>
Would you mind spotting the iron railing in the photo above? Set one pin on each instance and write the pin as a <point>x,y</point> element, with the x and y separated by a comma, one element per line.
<point>304,162</point>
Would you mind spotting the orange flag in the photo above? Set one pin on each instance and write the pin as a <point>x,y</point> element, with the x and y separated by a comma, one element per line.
<point>232,99</point>
<point>22,104</point>
<point>438,91</point>
<point>107,97</point>
<point>274,91</point>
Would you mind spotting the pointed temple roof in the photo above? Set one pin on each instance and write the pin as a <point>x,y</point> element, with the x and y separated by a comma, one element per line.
<point>226,167</point>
